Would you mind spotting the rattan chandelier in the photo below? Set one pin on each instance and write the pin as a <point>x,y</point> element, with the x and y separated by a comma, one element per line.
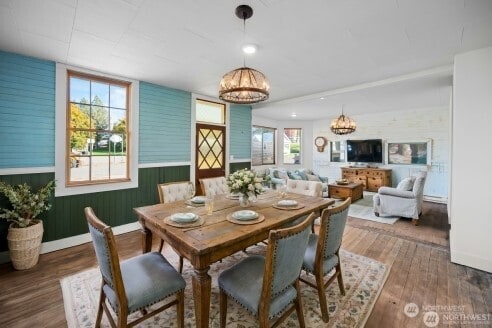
<point>244,85</point>
<point>342,125</point>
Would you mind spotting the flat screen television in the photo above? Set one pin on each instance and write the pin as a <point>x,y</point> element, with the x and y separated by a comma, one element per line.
<point>365,151</point>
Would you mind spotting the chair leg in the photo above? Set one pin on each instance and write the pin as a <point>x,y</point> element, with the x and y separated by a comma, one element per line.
<point>122,318</point>
<point>340,278</point>
<point>102,299</point>
<point>376,213</point>
<point>223,309</point>
<point>180,264</point>
<point>322,297</point>
<point>415,222</point>
<point>180,309</point>
<point>161,246</point>
<point>298,304</point>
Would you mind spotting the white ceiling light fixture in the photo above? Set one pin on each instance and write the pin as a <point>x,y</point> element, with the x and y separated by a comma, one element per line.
<point>244,85</point>
<point>250,48</point>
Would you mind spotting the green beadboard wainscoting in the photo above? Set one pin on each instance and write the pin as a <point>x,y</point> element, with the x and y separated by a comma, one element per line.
<point>233,167</point>
<point>66,217</point>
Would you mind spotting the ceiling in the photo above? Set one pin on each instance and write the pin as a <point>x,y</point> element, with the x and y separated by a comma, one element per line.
<point>370,56</point>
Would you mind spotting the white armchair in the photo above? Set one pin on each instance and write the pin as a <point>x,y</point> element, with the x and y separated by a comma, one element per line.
<point>400,201</point>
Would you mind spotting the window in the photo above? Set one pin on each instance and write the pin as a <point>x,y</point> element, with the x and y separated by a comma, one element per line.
<point>292,146</point>
<point>262,145</point>
<point>337,151</point>
<point>97,134</point>
<point>210,112</point>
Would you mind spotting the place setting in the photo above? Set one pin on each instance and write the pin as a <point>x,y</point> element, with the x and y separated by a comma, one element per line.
<point>197,201</point>
<point>245,217</point>
<point>288,204</point>
<point>184,220</point>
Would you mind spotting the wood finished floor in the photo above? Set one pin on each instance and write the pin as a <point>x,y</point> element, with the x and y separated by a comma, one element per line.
<point>421,272</point>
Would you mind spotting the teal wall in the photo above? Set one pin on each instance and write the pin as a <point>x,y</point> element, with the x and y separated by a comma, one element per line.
<point>165,124</point>
<point>240,131</point>
<point>27,139</point>
<point>27,116</point>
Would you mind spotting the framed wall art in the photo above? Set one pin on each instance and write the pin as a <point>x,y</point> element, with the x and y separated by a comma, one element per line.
<point>409,152</point>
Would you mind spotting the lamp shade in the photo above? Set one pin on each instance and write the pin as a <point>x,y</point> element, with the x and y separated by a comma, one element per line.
<point>244,86</point>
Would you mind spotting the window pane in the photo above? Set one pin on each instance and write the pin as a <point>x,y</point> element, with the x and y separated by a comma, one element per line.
<point>118,96</point>
<point>99,167</point>
<point>117,119</point>
<point>263,145</point>
<point>80,90</point>
<point>100,117</point>
<point>256,146</point>
<point>117,165</point>
<point>210,112</point>
<point>292,146</point>
<point>99,94</point>
<point>268,146</point>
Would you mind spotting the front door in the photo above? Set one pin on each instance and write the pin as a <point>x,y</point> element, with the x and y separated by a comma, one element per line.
<point>210,153</point>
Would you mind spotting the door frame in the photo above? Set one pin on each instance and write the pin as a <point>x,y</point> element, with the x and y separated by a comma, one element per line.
<point>194,97</point>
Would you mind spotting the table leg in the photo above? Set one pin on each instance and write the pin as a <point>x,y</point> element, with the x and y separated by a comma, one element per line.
<point>146,238</point>
<point>202,287</point>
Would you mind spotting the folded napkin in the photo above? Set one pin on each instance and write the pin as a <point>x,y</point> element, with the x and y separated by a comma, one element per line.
<point>245,215</point>
<point>198,200</point>
<point>287,203</point>
<point>184,217</point>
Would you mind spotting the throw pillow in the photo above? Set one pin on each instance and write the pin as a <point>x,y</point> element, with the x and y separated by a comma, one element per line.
<point>281,175</point>
<point>293,176</point>
<point>323,179</point>
<point>312,177</point>
<point>406,184</point>
<point>302,173</point>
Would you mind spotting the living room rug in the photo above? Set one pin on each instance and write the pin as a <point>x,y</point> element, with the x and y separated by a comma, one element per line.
<point>362,209</point>
<point>363,277</point>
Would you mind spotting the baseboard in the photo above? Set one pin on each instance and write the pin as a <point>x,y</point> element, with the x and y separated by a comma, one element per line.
<point>436,199</point>
<point>471,260</point>
<point>56,245</point>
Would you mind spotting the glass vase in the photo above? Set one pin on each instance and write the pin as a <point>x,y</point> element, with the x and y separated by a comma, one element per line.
<point>244,200</point>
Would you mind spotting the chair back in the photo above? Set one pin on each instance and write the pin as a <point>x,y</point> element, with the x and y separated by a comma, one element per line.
<point>418,189</point>
<point>303,187</point>
<point>331,229</point>
<point>174,191</point>
<point>214,186</point>
<point>285,253</point>
<point>106,254</point>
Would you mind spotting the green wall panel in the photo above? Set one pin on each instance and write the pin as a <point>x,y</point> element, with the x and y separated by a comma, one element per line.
<point>66,217</point>
<point>240,131</point>
<point>233,167</point>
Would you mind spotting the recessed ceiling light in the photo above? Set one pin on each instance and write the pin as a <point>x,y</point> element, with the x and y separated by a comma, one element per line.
<point>293,115</point>
<point>250,48</point>
<point>322,98</point>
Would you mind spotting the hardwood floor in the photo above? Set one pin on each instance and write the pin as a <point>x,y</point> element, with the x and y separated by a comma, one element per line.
<point>421,273</point>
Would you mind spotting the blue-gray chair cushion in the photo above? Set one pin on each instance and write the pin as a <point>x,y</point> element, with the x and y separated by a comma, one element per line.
<point>148,279</point>
<point>243,282</point>
<point>310,255</point>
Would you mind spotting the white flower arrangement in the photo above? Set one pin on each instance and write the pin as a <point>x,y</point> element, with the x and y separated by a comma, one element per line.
<point>245,182</point>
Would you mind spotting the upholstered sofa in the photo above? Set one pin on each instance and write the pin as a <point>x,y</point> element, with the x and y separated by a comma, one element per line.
<point>279,176</point>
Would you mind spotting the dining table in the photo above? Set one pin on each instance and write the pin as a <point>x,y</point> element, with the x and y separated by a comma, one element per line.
<point>218,235</point>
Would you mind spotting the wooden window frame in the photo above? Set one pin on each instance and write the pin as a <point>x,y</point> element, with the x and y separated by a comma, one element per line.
<point>224,111</point>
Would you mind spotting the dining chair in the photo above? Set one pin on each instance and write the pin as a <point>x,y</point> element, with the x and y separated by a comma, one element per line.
<point>214,186</point>
<point>322,253</point>
<point>172,192</point>
<point>135,284</point>
<point>267,285</point>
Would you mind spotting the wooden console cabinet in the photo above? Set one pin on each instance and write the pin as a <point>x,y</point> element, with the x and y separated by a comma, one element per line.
<point>371,178</point>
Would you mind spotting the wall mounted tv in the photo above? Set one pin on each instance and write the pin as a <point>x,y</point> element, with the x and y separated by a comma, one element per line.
<point>365,151</point>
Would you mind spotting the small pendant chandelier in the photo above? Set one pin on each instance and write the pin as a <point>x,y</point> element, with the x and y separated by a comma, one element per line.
<point>343,125</point>
<point>244,85</point>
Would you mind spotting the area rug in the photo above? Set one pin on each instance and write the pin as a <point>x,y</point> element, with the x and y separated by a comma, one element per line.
<point>363,277</point>
<point>363,209</point>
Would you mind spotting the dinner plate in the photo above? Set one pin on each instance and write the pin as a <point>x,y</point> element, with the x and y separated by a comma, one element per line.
<point>287,202</point>
<point>244,215</point>
<point>184,217</point>
<point>198,200</point>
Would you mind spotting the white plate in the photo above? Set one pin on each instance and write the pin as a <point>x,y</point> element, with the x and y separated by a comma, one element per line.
<point>287,202</point>
<point>198,200</point>
<point>245,215</point>
<point>184,217</point>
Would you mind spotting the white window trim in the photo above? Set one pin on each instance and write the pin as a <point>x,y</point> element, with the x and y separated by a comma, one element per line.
<point>61,135</point>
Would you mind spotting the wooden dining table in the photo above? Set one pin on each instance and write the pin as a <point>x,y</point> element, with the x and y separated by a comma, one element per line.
<point>218,237</point>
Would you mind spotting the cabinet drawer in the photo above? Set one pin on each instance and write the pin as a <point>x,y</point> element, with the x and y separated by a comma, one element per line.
<point>339,192</point>
<point>374,184</point>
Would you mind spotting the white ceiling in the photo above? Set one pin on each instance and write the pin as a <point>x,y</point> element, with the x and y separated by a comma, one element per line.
<point>372,56</point>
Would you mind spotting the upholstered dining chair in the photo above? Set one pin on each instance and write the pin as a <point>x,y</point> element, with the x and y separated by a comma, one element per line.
<point>214,186</point>
<point>135,284</point>
<point>172,192</point>
<point>266,286</point>
<point>322,254</point>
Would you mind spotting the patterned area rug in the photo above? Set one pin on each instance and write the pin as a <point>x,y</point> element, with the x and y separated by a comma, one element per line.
<point>363,277</point>
<point>363,209</point>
